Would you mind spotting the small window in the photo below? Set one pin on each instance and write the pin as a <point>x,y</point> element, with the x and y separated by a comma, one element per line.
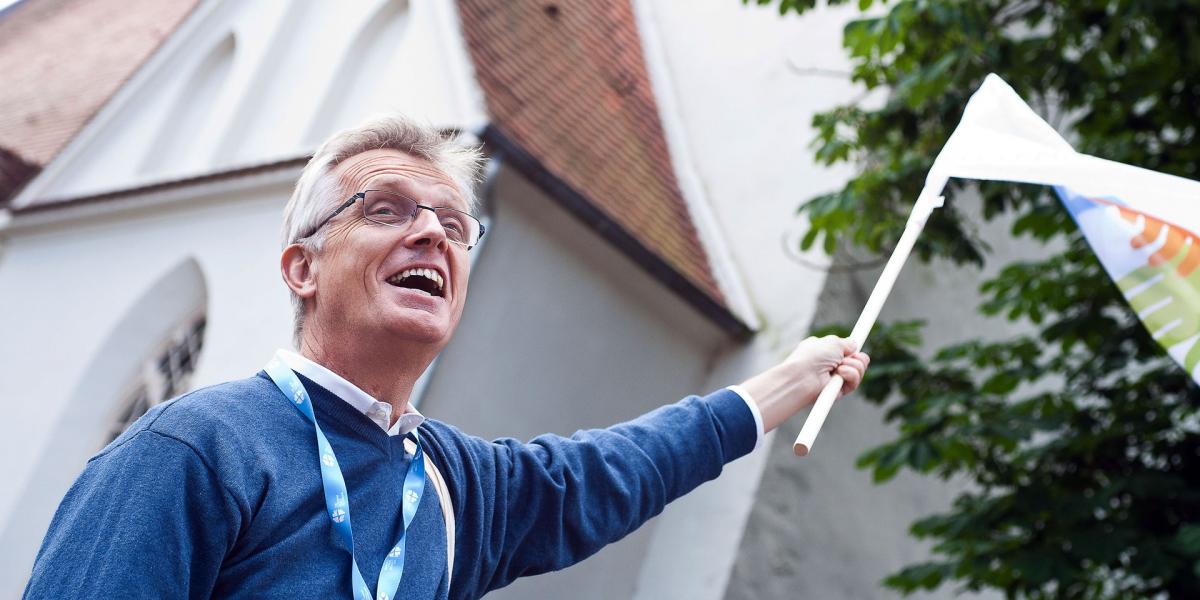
<point>164,375</point>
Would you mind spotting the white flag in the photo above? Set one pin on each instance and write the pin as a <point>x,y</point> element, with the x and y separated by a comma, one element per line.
<point>1141,224</point>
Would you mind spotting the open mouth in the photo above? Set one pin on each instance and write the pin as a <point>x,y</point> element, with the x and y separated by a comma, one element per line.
<point>423,280</point>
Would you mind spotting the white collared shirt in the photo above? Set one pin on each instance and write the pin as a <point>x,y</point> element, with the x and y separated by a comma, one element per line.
<point>379,412</point>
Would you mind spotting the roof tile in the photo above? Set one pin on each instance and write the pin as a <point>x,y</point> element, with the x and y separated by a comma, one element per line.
<point>567,81</point>
<point>61,60</point>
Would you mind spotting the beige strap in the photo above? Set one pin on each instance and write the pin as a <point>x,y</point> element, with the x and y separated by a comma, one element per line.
<point>439,485</point>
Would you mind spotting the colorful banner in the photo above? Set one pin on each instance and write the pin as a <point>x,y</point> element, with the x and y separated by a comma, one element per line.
<point>1142,224</point>
<point>1154,263</point>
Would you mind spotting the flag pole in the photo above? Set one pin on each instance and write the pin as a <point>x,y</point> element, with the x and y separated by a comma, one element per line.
<point>929,199</point>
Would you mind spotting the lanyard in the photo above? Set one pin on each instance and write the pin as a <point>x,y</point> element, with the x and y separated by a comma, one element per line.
<point>337,499</point>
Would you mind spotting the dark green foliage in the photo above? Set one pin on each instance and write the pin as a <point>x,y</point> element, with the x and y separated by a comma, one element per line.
<point>1081,439</point>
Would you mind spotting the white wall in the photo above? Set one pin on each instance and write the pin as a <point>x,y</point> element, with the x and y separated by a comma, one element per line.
<point>746,83</point>
<point>749,82</point>
<point>746,119</point>
<point>737,112</point>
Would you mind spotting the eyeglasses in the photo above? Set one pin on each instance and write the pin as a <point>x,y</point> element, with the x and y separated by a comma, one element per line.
<point>397,210</point>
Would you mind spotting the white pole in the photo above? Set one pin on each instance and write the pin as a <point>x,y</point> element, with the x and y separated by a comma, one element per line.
<point>929,199</point>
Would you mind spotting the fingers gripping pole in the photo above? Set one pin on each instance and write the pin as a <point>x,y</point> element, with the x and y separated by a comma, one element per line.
<point>929,199</point>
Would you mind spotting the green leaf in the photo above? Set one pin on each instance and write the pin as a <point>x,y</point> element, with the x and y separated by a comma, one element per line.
<point>1000,383</point>
<point>1188,539</point>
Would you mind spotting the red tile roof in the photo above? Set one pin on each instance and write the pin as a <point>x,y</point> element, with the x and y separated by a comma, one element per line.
<point>61,60</point>
<point>14,172</point>
<point>566,81</point>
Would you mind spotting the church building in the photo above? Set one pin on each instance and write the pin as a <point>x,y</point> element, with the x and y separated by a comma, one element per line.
<point>645,160</point>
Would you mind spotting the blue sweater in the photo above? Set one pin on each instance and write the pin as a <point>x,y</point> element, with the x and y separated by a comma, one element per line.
<point>218,494</point>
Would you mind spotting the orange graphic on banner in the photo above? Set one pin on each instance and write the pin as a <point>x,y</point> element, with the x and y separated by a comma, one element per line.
<point>1177,238</point>
<point>1165,293</point>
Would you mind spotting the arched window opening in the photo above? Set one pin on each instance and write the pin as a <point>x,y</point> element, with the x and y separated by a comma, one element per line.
<point>166,321</point>
<point>165,374</point>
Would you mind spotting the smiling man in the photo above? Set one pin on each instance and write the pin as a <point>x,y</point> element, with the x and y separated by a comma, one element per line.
<point>248,489</point>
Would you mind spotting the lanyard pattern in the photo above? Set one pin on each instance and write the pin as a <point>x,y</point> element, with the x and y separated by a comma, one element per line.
<point>337,498</point>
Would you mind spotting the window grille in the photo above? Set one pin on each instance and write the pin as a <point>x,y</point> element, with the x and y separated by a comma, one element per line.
<point>163,376</point>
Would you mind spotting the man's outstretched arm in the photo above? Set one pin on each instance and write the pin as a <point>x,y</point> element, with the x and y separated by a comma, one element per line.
<point>554,501</point>
<point>529,508</point>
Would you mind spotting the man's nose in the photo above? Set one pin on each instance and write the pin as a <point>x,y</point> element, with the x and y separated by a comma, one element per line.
<point>426,230</point>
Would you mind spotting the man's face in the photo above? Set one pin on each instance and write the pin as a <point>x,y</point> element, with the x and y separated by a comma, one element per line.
<point>358,288</point>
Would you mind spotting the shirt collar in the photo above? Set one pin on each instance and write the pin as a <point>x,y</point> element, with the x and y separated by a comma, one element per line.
<point>379,412</point>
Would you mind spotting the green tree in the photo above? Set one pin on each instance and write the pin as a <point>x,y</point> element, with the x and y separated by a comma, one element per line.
<point>1082,439</point>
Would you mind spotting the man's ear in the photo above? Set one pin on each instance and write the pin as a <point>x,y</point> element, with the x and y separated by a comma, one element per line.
<point>298,270</point>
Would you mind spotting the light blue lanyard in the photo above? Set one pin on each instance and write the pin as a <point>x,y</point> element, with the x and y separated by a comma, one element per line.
<point>337,499</point>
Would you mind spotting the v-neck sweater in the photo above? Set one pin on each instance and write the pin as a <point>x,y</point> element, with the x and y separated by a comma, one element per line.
<point>218,494</point>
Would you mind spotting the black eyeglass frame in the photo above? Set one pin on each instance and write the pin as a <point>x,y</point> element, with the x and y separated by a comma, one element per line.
<point>413,217</point>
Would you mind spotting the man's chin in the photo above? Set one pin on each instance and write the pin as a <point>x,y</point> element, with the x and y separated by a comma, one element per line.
<point>414,316</point>
<point>417,325</point>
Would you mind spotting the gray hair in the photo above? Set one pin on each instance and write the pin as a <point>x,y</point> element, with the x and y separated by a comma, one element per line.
<point>318,190</point>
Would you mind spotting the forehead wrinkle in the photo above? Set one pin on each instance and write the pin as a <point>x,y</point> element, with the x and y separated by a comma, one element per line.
<point>380,171</point>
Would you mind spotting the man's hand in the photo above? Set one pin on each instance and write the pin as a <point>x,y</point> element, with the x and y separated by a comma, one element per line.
<point>785,389</point>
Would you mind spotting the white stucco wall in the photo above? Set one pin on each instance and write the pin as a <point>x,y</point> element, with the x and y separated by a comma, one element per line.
<point>737,113</point>
<point>745,114</point>
<point>746,84</point>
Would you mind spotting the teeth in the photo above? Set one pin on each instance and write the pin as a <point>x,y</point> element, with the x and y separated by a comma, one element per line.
<point>430,274</point>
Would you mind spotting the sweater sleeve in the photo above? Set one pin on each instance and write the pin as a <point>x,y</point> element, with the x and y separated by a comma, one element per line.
<point>550,503</point>
<point>147,518</point>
